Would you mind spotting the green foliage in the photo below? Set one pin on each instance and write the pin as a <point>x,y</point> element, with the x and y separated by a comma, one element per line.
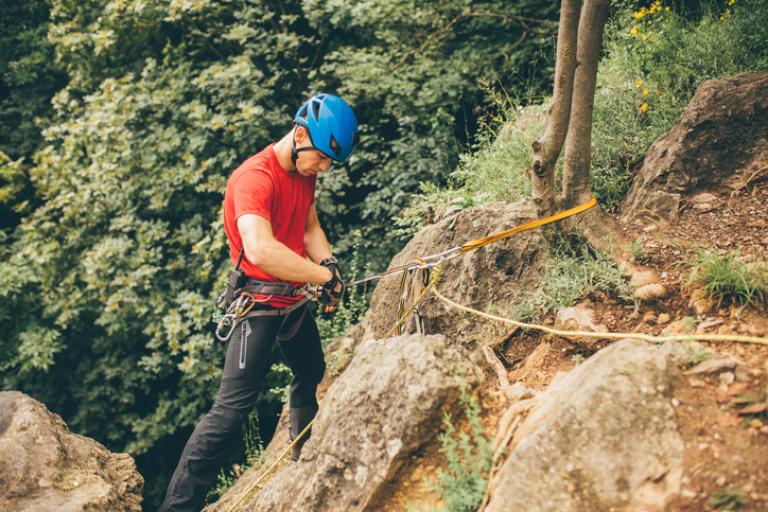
<point>355,303</point>
<point>573,271</point>
<point>28,75</point>
<point>462,484</point>
<point>493,170</point>
<point>644,82</point>
<point>728,499</point>
<point>654,62</point>
<point>728,279</point>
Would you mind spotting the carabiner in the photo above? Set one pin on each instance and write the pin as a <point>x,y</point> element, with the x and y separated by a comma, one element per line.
<point>226,318</point>
<point>247,301</point>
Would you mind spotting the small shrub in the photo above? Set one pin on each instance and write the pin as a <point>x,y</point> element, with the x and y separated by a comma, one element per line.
<point>728,280</point>
<point>462,485</point>
<point>355,302</point>
<point>573,271</point>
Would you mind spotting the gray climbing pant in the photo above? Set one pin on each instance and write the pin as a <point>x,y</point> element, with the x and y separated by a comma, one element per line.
<point>244,368</point>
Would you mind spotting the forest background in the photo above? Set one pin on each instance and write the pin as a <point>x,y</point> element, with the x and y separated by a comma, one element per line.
<point>121,120</point>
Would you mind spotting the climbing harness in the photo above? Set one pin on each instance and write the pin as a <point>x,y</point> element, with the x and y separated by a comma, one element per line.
<point>243,293</point>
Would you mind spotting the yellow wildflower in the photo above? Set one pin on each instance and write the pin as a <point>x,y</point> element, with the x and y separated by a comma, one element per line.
<point>731,2</point>
<point>646,92</point>
<point>638,83</point>
<point>655,7</point>
<point>644,108</point>
<point>640,14</point>
<point>634,31</point>
<point>666,8</point>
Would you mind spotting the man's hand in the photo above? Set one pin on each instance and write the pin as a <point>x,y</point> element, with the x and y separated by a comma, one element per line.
<point>331,292</point>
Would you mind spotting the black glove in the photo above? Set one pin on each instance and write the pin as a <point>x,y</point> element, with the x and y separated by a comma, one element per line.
<point>330,293</point>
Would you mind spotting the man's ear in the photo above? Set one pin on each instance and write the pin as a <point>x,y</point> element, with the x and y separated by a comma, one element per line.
<point>300,134</point>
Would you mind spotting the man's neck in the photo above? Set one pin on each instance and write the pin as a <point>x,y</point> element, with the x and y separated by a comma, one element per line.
<point>282,149</point>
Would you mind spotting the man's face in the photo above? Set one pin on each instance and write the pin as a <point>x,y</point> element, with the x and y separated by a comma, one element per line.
<point>310,162</point>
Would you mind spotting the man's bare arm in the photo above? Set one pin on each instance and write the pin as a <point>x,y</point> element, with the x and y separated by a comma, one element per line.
<point>315,240</point>
<point>274,257</point>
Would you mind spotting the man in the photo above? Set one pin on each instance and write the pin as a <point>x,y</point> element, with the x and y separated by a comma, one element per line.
<point>276,240</point>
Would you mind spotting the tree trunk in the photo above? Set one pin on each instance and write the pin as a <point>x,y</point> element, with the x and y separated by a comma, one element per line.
<point>570,120</point>
<point>578,144</point>
<point>547,149</point>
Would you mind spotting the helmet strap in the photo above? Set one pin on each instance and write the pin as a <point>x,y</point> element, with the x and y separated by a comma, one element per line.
<point>294,150</point>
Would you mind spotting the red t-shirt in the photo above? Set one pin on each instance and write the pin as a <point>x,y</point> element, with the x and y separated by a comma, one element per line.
<point>261,186</point>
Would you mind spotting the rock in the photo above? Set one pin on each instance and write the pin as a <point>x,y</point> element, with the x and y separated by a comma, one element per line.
<point>722,130</point>
<point>704,197</point>
<point>500,273</point>
<point>602,437</point>
<point>44,467</point>
<point>517,392</point>
<point>700,302</point>
<point>651,292</point>
<point>386,405</point>
<point>643,277</point>
<point>578,318</point>
<point>680,326</point>
<point>713,365</point>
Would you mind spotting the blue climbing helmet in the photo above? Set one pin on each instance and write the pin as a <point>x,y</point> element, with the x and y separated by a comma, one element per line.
<point>331,125</point>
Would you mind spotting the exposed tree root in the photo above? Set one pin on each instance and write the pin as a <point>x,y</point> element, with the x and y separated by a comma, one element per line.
<point>489,350</point>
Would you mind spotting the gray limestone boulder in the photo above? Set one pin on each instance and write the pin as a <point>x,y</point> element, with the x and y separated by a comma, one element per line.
<point>386,405</point>
<point>44,467</point>
<point>723,131</point>
<point>602,437</point>
<point>489,277</point>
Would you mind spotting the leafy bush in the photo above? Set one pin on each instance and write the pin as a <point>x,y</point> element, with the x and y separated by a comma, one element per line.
<point>729,280</point>
<point>462,484</point>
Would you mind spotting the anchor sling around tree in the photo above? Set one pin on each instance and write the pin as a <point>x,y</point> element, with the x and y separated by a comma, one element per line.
<point>270,217</point>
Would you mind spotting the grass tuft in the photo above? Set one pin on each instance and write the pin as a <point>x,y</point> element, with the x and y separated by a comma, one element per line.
<point>728,280</point>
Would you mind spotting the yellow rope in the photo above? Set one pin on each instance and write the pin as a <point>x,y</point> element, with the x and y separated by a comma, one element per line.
<point>612,335</point>
<point>270,468</point>
<point>525,226</point>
